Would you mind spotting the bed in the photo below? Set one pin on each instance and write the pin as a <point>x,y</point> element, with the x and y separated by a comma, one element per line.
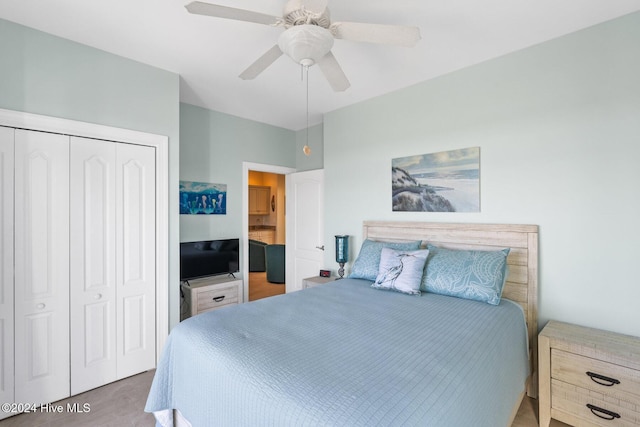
<point>346,354</point>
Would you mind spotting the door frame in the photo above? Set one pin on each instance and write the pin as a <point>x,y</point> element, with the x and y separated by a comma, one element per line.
<point>19,119</point>
<point>258,167</point>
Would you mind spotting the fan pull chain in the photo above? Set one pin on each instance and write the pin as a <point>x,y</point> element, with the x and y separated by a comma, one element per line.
<point>307,76</point>
<point>306,149</point>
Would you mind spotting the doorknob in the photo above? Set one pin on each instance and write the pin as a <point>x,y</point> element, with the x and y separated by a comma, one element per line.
<point>320,247</point>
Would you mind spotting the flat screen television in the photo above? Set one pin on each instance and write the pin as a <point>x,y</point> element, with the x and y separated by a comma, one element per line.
<point>209,258</point>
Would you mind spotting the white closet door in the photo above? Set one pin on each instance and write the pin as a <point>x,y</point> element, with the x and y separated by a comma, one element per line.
<point>41,266</point>
<point>135,260</point>
<point>6,267</point>
<point>93,268</point>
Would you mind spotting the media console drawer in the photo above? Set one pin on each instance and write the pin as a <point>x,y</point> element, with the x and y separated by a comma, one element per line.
<point>214,298</point>
<point>210,294</point>
<point>588,377</point>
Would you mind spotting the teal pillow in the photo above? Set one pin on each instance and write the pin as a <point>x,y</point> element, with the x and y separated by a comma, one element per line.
<point>401,271</point>
<point>368,261</point>
<point>474,275</point>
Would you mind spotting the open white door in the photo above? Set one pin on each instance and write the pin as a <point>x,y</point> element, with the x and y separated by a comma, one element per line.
<point>305,226</point>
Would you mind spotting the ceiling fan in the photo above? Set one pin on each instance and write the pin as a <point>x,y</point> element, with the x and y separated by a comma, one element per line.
<point>309,35</point>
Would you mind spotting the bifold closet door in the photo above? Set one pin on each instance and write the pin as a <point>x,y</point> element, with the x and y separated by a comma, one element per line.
<point>112,261</point>
<point>135,259</point>
<point>6,266</point>
<point>93,263</point>
<point>41,289</point>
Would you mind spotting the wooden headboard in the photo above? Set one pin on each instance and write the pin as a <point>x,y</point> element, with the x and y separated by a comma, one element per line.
<point>522,282</point>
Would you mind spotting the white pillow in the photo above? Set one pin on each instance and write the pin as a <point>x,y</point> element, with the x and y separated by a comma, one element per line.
<point>401,271</point>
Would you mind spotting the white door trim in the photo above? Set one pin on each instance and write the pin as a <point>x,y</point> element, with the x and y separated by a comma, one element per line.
<point>18,119</point>
<point>259,167</point>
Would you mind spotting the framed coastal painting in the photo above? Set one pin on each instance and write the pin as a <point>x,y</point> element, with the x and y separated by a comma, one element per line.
<point>448,181</point>
<point>202,198</point>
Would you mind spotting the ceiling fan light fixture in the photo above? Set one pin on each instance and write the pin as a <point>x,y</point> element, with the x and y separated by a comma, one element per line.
<point>306,44</point>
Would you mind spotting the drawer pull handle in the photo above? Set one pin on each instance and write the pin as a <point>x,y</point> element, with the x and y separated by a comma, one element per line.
<point>608,415</point>
<point>218,299</point>
<point>602,380</point>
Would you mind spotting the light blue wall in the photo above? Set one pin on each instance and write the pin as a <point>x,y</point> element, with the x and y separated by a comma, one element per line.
<point>47,75</point>
<point>314,138</point>
<point>559,130</point>
<point>51,76</point>
<point>213,147</point>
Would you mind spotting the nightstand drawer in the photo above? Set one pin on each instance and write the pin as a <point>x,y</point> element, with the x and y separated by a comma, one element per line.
<point>603,377</point>
<point>208,300</point>
<point>592,408</point>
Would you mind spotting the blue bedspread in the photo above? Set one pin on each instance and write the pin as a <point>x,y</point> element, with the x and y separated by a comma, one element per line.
<point>343,354</point>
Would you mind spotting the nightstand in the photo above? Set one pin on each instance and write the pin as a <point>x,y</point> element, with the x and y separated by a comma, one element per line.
<point>588,377</point>
<point>310,282</point>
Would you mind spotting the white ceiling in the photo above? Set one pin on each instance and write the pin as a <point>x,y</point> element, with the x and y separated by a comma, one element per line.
<point>209,53</point>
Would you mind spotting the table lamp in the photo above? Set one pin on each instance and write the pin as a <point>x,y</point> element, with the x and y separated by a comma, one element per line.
<point>342,253</point>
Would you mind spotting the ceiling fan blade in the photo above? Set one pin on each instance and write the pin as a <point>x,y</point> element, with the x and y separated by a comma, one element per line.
<point>201,8</point>
<point>398,35</point>
<point>261,63</point>
<point>333,73</point>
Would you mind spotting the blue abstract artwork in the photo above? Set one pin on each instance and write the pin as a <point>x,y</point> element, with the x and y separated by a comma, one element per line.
<point>202,198</point>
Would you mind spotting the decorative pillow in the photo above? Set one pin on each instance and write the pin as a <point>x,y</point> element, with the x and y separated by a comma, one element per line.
<point>475,275</point>
<point>368,261</point>
<point>401,271</point>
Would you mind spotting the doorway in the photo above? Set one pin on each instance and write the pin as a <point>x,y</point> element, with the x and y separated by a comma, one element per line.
<point>264,224</point>
<point>267,234</point>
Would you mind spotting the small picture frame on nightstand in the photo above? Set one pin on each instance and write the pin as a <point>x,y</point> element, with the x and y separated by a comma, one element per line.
<point>325,273</point>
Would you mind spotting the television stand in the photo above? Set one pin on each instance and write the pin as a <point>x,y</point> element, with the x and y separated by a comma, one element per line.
<point>210,293</point>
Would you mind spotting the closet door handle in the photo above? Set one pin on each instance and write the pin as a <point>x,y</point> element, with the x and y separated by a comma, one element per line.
<point>98,296</point>
<point>40,306</point>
